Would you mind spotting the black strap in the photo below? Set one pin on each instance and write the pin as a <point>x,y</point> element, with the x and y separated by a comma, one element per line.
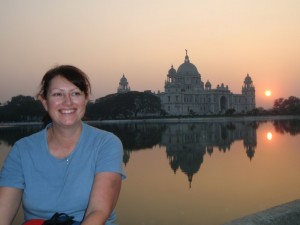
<point>60,219</point>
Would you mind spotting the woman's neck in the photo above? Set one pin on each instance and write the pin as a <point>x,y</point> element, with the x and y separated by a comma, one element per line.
<point>62,141</point>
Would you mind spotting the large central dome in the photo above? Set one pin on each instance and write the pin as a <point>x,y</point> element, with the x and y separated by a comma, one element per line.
<point>187,68</point>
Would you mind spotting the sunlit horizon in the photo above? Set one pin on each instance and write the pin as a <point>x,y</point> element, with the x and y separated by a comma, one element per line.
<point>226,40</point>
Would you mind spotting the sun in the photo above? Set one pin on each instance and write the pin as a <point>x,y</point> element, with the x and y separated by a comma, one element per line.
<point>269,136</point>
<point>268,93</point>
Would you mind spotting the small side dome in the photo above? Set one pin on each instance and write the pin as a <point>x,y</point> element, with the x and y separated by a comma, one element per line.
<point>172,71</point>
<point>248,79</point>
<point>248,83</point>
<point>123,80</point>
<point>123,85</point>
<point>208,84</point>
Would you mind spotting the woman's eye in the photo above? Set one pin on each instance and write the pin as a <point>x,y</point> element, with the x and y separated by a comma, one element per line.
<point>76,93</point>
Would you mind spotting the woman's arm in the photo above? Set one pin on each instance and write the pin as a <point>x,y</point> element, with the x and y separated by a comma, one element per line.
<point>103,199</point>
<point>10,199</point>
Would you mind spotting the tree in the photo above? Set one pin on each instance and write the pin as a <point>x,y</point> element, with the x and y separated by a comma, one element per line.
<point>125,105</point>
<point>287,106</point>
<point>230,112</point>
<point>21,109</point>
<point>146,103</point>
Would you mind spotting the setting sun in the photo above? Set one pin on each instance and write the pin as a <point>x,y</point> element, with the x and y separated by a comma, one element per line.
<point>268,93</point>
<point>269,136</point>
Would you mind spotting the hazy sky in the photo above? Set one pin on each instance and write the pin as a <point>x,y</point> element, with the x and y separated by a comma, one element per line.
<point>225,39</point>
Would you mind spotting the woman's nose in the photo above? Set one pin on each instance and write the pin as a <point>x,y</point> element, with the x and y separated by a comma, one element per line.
<point>67,99</point>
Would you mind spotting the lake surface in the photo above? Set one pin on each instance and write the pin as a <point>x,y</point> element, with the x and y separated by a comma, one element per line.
<point>199,173</point>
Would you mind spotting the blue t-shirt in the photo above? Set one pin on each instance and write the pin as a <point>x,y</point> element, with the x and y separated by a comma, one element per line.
<point>60,185</point>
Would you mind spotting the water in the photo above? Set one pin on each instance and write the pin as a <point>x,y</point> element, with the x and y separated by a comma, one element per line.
<point>199,173</point>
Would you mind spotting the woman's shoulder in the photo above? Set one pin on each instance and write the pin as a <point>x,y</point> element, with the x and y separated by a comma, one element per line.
<point>98,133</point>
<point>32,138</point>
<point>93,130</point>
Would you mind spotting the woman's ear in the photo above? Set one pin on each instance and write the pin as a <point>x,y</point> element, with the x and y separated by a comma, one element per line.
<point>43,101</point>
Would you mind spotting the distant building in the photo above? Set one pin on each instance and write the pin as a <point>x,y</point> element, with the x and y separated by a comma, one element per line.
<point>123,85</point>
<point>186,94</point>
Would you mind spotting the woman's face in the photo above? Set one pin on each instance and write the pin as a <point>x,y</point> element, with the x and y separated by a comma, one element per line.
<point>65,102</point>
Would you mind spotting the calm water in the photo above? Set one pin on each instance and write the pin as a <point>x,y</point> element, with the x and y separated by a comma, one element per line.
<point>199,173</point>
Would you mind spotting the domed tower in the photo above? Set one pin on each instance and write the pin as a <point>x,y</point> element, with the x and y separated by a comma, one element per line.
<point>207,85</point>
<point>123,85</point>
<point>188,76</point>
<point>171,74</point>
<point>171,77</point>
<point>248,91</point>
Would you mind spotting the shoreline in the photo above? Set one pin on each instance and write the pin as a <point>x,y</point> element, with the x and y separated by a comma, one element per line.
<point>202,119</point>
<point>172,120</point>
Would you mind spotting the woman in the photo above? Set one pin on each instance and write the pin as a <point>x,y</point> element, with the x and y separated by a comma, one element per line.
<point>68,167</point>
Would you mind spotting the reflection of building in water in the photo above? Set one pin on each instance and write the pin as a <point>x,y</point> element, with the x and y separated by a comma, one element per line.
<point>186,94</point>
<point>126,156</point>
<point>250,141</point>
<point>186,144</point>
<point>135,136</point>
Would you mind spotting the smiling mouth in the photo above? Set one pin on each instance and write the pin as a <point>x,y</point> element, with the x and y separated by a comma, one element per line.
<point>67,111</point>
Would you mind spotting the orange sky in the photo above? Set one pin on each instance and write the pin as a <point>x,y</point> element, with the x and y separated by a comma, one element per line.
<point>226,39</point>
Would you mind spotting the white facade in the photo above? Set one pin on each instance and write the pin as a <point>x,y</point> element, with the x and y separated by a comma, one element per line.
<point>186,94</point>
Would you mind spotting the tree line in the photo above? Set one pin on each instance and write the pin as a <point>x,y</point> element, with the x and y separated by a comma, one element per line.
<point>115,106</point>
<point>128,105</point>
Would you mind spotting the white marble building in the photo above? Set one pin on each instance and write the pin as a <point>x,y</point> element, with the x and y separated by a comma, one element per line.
<point>186,94</point>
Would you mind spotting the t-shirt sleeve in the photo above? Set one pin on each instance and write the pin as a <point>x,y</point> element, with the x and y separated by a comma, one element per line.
<point>110,155</point>
<point>11,174</point>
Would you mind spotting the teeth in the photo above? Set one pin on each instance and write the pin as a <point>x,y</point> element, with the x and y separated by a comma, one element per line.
<point>67,111</point>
